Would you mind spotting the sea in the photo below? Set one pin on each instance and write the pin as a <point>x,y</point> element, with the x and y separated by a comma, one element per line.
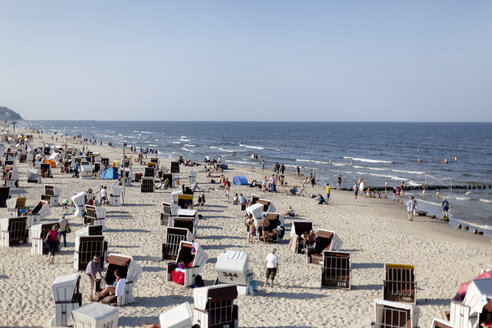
<point>376,152</point>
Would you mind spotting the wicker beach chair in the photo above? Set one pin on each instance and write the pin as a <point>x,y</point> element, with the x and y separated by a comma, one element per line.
<point>399,283</point>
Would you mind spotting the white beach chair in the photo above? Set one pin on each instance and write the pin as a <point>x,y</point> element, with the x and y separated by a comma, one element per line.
<point>33,175</point>
<point>13,231</point>
<point>115,196</point>
<point>95,216</point>
<point>95,315</point>
<point>400,284</point>
<point>214,306</point>
<point>86,247</point>
<point>130,270</point>
<point>172,240</point>
<point>336,270</point>
<point>193,263</point>
<point>232,267</point>
<point>325,240</point>
<point>395,315</point>
<point>38,233</point>
<point>67,298</point>
<point>79,202</point>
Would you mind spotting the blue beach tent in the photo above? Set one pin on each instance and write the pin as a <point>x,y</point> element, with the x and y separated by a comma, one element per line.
<point>109,174</point>
<point>240,180</point>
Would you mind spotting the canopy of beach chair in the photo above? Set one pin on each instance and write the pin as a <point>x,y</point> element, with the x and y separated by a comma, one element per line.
<point>464,286</point>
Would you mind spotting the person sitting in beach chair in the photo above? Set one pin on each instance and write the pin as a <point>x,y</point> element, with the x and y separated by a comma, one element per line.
<point>308,239</point>
<point>118,288</point>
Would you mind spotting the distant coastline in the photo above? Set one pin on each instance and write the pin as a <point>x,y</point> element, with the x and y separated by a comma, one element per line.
<point>7,114</point>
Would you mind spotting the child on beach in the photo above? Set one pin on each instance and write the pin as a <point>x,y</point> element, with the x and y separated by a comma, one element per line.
<point>356,191</point>
<point>328,191</point>
<point>251,230</point>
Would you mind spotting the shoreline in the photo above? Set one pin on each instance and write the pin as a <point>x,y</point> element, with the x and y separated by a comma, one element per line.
<point>374,231</point>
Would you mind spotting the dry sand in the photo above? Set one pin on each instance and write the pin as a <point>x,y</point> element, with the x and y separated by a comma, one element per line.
<point>375,231</point>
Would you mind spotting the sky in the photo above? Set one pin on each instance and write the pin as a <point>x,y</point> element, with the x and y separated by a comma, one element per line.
<point>247,60</point>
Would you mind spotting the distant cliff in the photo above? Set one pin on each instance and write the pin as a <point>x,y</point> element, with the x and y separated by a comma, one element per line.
<point>8,114</point>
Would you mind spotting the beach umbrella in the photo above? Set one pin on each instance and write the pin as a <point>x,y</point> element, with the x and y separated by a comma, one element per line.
<point>464,286</point>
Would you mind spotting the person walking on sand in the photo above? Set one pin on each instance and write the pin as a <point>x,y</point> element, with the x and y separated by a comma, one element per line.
<point>445,207</point>
<point>411,208</point>
<point>62,224</point>
<point>271,267</point>
<point>339,181</point>
<point>52,239</point>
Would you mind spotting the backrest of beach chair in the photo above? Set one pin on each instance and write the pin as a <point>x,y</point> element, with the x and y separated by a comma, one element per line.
<point>265,203</point>
<point>21,202</point>
<point>147,184</point>
<point>174,167</point>
<point>254,199</point>
<point>215,305</point>
<point>90,211</point>
<point>184,222</point>
<point>393,315</point>
<point>88,247</point>
<point>323,241</point>
<point>274,221</point>
<point>149,172</point>
<point>300,227</point>
<point>166,208</point>
<point>174,236</point>
<point>49,190</point>
<point>121,263</point>
<point>459,314</point>
<point>17,230</point>
<point>400,284</point>
<point>335,272</point>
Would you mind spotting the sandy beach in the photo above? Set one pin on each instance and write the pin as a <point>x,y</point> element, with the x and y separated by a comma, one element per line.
<point>374,231</point>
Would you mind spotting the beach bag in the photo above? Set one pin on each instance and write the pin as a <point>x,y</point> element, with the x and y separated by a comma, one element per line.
<point>68,229</point>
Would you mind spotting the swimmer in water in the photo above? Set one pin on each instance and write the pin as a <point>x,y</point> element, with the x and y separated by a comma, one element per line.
<point>418,160</point>
<point>445,161</point>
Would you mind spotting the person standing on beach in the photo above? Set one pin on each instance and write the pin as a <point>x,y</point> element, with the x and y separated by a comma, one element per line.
<point>445,207</point>
<point>356,191</point>
<point>93,268</point>
<point>328,191</point>
<point>52,239</point>
<point>402,191</point>
<point>271,267</point>
<point>263,165</point>
<point>298,169</point>
<point>339,181</point>
<point>411,208</point>
<point>62,223</point>
<point>227,186</point>
<point>361,187</point>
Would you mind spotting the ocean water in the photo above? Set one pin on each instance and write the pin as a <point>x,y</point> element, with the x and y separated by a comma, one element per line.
<point>381,152</point>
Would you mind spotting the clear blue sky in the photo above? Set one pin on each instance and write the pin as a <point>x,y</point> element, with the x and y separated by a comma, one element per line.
<point>254,60</point>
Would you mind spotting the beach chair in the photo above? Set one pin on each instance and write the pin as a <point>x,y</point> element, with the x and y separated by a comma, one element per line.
<point>183,197</point>
<point>79,202</point>
<point>45,170</point>
<point>298,228</point>
<point>168,177</point>
<point>22,158</point>
<point>232,267</point>
<point>193,257</point>
<point>91,230</point>
<point>40,211</point>
<point>13,231</point>
<point>214,306</point>
<point>4,195</point>
<point>395,315</point>
<point>177,317</point>
<point>479,299</point>
<point>336,270</point>
<point>15,205</point>
<point>438,323</point>
<point>130,270</point>
<point>174,167</point>
<point>33,176</point>
<point>86,169</point>
<point>86,247</point>
<point>66,295</point>
<point>38,234</point>
<point>400,284</point>
<point>51,195</point>
<point>166,213</point>
<point>148,184</point>
<point>95,216</point>
<point>325,240</point>
<point>184,218</point>
<point>254,199</point>
<point>275,231</point>
<point>115,196</point>
<point>95,315</point>
<point>256,210</point>
<point>12,180</point>
<point>173,238</point>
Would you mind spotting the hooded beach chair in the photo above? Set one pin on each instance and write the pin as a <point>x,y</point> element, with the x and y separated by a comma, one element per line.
<point>91,230</point>
<point>115,196</point>
<point>46,170</point>
<point>38,234</point>
<point>15,205</point>
<point>173,238</point>
<point>399,283</point>
<point>267,205</point>
<point>192,178</point>
<point>256,210</point>
<point>40,211</point>
<point>149,172</point>
<point>51,195</point>
<point>476,305</point>
<point>148,184</point>
<point>298,228</point>
<point>95,315</point>
<point>395,315</point>
<point>166,213</point>
<point>178,317</point>
<point>79,202</point>
<point>232,267</point>
<point>183,218</point>
<point>86,247</point>
<point>33,175</point>
<point>192,258</point>
<point>174,167</point>
<point>66,295</point>
<point>183,197</point>
<point>214,306</point>
<point>86,169</point>
<point>95,216</point>
<point>130,270</point>
<point>336,270</point>
<point>325,240</point>
<point>13,231</point>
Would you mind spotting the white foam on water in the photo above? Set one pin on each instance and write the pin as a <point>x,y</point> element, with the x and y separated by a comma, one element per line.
<point>213,147</point>
<point>252,147</point>
<point>176,142</point>
<point>186,149</point>
<point>368,160</point>
<point>310,161</point>
<point>485,200</point>
<point>409,172</point>
<point>462,198</point>
<point>226,150</point>
<point>190,145</point>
